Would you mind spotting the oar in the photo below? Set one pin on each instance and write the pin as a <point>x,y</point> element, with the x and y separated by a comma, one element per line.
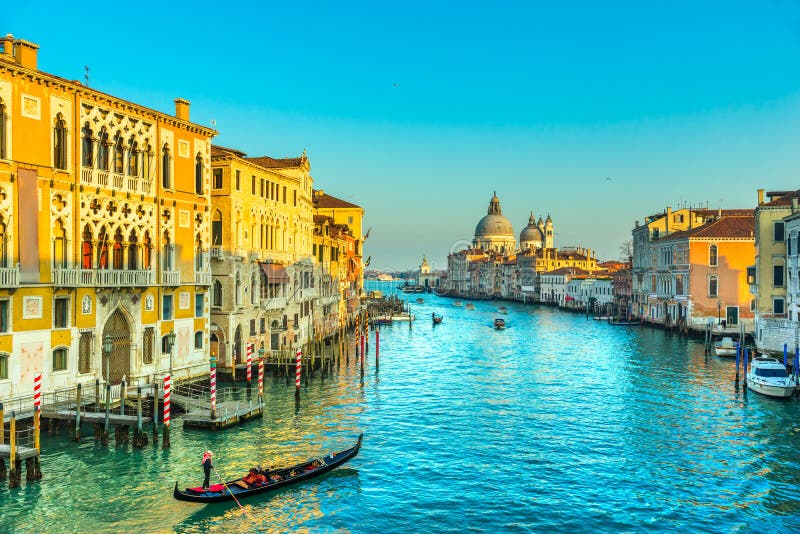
<point>231,494</point>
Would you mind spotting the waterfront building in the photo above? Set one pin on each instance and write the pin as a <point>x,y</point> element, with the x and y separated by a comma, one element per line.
<point>426,277</point>
<point>553,285</point>
<point>589,292</point>
<point>770,276</point>
<point>653,228</point>
<point>104,233</point>
<point>347,214</point>
<point>459,281</point>
<point>333,246</point>
<point>262,262</point>
<point>700,275</point>
<point>623,290</point>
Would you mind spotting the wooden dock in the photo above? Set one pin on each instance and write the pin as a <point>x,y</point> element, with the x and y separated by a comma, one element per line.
<point>22,453</point>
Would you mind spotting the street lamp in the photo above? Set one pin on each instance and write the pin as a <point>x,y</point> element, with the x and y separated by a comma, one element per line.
<point>108,346</point>
<point>170,346</point>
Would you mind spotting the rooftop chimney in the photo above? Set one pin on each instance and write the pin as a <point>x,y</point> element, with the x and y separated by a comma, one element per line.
<point>7,47</point>
<point>760,196</point>
<point>182,109</point>
<point>25,54</point>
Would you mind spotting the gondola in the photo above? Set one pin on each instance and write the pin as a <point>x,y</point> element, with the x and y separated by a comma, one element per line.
<point>277,478</point>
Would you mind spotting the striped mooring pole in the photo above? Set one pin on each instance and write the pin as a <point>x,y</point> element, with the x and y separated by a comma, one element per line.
<point>249,376</point>
<point>213,380</point>
<point>167,387</point>
<point>261,379</point>
<point>37,393</point>
<point>298,366</point>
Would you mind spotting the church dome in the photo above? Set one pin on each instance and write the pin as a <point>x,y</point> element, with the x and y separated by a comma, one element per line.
<point>494,224</point>
<point>531,232</point>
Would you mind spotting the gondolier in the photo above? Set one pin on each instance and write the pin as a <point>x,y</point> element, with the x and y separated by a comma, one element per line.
<point>207,467</point>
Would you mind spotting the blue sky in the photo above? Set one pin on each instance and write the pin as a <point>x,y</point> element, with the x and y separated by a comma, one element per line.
<point>418,111</point>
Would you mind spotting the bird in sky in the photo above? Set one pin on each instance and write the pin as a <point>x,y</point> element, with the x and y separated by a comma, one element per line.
<point>609,179</point>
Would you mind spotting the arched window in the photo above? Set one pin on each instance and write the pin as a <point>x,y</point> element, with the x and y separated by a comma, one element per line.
<point>198,253</point>
<point>216,229</point>
<point>712,255</point>
<point>147,251</point>
<point>133,252</point>
<point>133,158</point>
<point>85,352</point>
<point>59,245</point>
<point>217,295</point>
<point>4,259</point>
<point>147,161</point>
<point>198,339</point>
<point>254,288</point>
<point>102,249</point>
<point>4,366</point>
<point>712,286</point>
<point>86,249</point>
<point>238,294</point>
<point>198,174</point>
<point>87,146</point>
<point>60,143</point>
<point>3,140</point>
<point>102,149</point>
<point>167,254</point>
<point>117,259</point>
<point>119,155</point>
<point>166,182</point>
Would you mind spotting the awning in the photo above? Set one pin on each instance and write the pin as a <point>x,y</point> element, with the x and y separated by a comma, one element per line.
<point>276,274</point>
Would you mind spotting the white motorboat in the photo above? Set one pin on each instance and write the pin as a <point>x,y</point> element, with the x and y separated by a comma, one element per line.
<point>768,376</point>
<point>725,347</point>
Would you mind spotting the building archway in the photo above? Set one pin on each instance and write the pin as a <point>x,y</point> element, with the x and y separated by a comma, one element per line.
<point>237,345</point>
<point>118,363</point>
<point>218,345</point>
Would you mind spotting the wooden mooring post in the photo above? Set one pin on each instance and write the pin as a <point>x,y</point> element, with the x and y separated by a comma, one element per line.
<point>3,473</point>
<point>155,413</point>
<point>78,413</point>
<point>16,465</point>
<point>139,437</point>
<point>104,437</point>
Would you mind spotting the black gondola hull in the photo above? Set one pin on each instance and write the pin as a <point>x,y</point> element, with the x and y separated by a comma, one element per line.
<point>233,490</point>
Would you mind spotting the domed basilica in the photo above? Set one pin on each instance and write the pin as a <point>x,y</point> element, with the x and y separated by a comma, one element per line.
<point>494,232</point>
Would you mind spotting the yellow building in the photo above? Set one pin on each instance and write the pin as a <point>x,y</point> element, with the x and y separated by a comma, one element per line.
<point>331,259</point>
<point>349,215</point>
<point>262,253</point>
<point>104,232</point>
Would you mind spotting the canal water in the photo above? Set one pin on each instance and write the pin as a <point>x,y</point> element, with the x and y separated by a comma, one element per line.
<point>558,423</point>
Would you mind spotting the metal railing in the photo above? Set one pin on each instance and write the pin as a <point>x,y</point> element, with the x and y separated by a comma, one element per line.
<point>9,276</point>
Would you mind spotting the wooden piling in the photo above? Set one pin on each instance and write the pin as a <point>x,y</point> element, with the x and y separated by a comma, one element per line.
<point>139,437</point>
<point>96,395</point>
<point>377,348</point>
<point>155,413</point>
<point>78,413</point>
<point>13,479</point>
<point>104,437</point>
<point>3,473</point>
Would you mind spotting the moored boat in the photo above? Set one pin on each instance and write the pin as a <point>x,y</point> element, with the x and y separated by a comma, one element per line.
<point>499,323</point>
<point>725,347</point>
<point>275,478</point>
<point>769,377</point>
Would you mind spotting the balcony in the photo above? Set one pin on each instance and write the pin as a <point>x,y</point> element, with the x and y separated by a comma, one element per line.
<point>276,303</point>
<point>99,177</point>
<point>202,278</point>
<point>117,181</point>
<point>170,278</point>
<point>63,277</point>
<point>217,253</point>
<point>103,277</point>
<point>9,276</point>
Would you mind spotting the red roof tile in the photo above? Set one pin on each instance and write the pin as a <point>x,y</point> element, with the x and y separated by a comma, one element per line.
<point>785,200</point>
<point>217,150</point>
<point>273,163</point>
<point>733,227</point>
<point>326,201</point>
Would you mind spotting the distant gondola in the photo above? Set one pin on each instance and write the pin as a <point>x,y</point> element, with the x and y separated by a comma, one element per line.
<point>277,478</point>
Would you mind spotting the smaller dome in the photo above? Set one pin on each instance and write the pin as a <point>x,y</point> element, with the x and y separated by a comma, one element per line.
<point>531,233</point>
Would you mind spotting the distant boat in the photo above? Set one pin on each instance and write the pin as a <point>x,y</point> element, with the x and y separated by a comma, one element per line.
<point>725,347</point>
<point>437,319</point>
<point>768,376</point>
<point>502,309</point>
<point>499,324</point>
<point>469,306</point>
<point>458,303</point>
<point>420,300</point>
<point>394,318</point>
